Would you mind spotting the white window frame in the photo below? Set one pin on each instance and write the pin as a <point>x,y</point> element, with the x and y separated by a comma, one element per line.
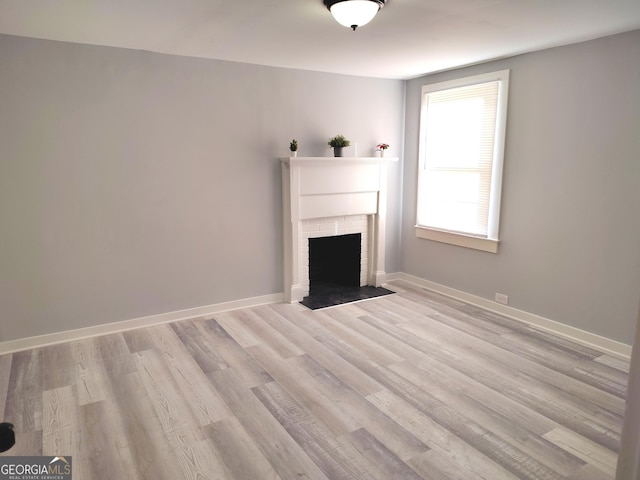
<point>490,242</point>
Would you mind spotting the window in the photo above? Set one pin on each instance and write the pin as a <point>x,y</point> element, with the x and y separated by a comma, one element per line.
<point>462,127</point>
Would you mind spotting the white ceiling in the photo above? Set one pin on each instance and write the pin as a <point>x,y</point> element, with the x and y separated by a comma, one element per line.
<point>408,38</point>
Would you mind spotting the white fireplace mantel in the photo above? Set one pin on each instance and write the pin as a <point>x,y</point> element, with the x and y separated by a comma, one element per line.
<point>332,187</point>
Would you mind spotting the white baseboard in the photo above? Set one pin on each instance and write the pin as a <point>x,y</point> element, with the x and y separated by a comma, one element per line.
<point>581,336</point>
<point>601,343</point>
<point>12,346</point>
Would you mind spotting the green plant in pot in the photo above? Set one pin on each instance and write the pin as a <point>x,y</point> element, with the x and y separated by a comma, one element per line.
<point>338,143</point>
<point>293,146</point>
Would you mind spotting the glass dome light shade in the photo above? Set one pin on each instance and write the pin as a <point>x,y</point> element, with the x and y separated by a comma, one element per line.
<point>354,13</point>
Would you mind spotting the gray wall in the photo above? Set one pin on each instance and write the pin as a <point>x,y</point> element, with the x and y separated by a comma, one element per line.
<point>570,219</point>
<point>134,183</point>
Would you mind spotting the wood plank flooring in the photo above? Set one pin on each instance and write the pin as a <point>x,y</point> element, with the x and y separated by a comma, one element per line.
<point>408,386</point>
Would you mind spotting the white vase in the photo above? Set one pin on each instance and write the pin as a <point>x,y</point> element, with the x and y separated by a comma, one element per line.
<point>294,154</point>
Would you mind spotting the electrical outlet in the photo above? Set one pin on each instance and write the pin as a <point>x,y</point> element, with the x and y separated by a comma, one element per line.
<point>502,298</point>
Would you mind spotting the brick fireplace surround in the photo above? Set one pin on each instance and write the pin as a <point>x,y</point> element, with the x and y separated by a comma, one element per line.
<point>328,196</point>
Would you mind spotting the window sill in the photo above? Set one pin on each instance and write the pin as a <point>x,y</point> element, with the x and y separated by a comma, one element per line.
<point>459,239</point>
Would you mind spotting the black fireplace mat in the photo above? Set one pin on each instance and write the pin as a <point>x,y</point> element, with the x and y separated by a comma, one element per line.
<point>329,295</point>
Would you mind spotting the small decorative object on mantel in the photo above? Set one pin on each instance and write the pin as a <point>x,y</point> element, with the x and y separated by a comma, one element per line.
<point>380,148</point>
<point>338,143</point>
<point>293,146</point>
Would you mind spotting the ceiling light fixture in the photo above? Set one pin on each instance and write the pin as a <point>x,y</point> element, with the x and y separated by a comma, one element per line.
<point>354,13</point>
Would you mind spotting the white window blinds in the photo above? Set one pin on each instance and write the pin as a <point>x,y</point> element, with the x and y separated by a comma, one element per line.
<point>460,146</point>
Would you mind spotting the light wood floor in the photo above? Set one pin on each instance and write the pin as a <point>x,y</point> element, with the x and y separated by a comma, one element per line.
<point>408,386</point>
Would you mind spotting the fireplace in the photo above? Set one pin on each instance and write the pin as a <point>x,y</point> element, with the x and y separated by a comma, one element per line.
<point>332,197</point>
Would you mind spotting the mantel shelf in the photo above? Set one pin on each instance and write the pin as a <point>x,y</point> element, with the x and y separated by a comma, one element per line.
<point>346,160</point>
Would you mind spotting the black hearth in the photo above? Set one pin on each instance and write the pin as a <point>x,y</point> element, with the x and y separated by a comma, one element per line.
<point>334,272</point>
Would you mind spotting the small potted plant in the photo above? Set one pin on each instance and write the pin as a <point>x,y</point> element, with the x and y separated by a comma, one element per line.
<point>380,148</point>
<point>293,146</point>
<point>338,143</point>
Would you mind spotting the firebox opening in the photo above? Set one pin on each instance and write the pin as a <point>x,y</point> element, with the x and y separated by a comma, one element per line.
<point>334,263</point>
